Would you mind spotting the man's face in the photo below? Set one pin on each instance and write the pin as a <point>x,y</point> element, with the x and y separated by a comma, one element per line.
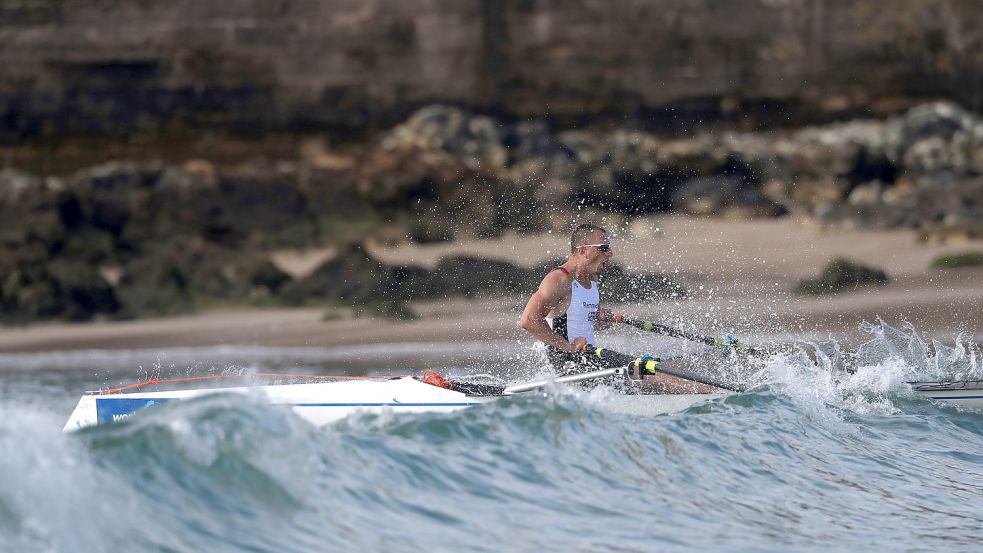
<point>595,258</point>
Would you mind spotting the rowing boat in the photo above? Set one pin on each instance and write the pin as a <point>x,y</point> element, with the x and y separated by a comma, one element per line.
<point>321,403</point>
<point>964,393</point>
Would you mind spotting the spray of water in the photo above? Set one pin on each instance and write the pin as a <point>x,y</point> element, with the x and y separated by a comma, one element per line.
<point>870,379</point>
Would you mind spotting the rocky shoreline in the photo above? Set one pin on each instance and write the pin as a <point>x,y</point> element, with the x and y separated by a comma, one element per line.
<point>140,238</point>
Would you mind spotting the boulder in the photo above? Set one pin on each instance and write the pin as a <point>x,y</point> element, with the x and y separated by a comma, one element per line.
<point>180,277</point>
<point>933,137</point>
<point>111,194</point>
<point>841,275</point>
<point>260,203</point>
<point>717,195</point>
<point>535,140</point>
<point>18,187</point>
<point>476,277</point>
<point>474,139</point>
<point>33,288</point>
<point>351,277</point>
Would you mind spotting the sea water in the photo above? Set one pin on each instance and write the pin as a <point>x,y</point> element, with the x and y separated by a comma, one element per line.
<point>829,451</point>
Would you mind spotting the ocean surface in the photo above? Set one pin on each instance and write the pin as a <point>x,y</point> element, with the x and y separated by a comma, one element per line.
<point>812,458</point>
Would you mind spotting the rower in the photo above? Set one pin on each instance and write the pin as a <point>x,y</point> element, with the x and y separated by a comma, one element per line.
<point>565,311</point>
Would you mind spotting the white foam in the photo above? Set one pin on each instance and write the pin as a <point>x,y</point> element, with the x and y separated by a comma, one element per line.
<point>821,379</point>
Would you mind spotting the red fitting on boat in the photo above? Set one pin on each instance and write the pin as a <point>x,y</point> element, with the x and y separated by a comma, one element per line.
<point>431,377</point>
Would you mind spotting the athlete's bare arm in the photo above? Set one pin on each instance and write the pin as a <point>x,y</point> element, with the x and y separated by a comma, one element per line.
<point>553,295</point>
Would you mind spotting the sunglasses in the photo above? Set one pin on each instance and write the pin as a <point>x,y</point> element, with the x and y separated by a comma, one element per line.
<point>600,247</point>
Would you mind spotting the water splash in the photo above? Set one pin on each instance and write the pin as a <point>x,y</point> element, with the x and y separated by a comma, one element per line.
<point>938,362</point>
<point>824,378</point>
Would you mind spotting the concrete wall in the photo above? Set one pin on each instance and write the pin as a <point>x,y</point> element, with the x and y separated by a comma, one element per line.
<point>82,66</point>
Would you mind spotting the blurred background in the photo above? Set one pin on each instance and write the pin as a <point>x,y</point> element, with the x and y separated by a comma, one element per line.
<point>224,187</point>
<point>369,157</point>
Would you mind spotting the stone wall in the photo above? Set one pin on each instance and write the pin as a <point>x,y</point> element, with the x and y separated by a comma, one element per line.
<point>101,66</point>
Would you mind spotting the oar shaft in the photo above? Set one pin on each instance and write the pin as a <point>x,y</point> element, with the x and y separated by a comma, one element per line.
<point>680,373</point>
<point>616,358</point>
<point>649,326</point>
<point>536,384</point>
<point>669,331</point>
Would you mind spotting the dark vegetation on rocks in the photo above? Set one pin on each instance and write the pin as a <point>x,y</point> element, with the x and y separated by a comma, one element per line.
<point>957,260</point>
<point>139,238</point>
<point>841,275</point>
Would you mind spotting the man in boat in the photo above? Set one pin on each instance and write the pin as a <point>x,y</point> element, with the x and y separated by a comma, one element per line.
<point>565,311</point>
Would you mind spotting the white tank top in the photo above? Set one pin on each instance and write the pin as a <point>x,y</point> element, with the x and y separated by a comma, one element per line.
<point>582,311</point>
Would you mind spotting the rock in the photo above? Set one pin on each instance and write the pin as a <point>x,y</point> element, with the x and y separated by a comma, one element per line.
<point>350,278</point>
<point>189,179</point>
<point>529,140</point>
<point>841,275</point>
<point>939,136</point>
<point>16,186</point>
<point>267,275</point>
<point>260,203</point>
<point>474,139</point>
<point>428,228</point>
<point>435,190</point>
<point>413,282</point>
<point>866,194</point>
<point>118,176</point>
<point>959,260</point>
<point>31,288</point>
<point>109,196</point>
<point>475,277</point>
<point>720,194</point>
<point>385,309</point>
<point>81,290</point>
<point>179,277</point>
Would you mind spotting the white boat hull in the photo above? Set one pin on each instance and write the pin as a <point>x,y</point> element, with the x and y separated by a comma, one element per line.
<point>965,394</point>
<point>326,402</point>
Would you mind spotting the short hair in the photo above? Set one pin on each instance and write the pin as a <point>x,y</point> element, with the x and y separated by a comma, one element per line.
<point>583,235</point>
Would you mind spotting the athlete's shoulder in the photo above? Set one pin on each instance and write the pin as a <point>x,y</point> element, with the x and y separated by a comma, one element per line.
<point>562,270</point>
<point>556,278</point>
<point>559,274</point>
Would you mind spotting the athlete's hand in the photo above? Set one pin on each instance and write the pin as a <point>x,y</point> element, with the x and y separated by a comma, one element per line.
<point>578,344</point>
<point>603,319</point>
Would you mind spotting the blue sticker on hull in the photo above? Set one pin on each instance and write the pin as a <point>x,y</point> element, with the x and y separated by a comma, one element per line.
<point>111,409</point>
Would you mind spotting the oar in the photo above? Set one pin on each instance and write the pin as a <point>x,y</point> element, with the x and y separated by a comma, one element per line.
<point>581,377</point>
<point>650,365</point>
<point>645,365</point>
<point>722,341</point>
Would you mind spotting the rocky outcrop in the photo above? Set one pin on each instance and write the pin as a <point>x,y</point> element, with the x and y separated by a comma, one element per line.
<point>918,170</point>
<point>135,238</point>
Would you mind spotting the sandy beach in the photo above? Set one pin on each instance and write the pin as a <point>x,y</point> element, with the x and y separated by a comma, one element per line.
<point>739,274</point>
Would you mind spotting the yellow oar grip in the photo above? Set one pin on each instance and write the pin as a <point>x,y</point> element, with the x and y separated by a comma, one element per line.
<point>649,366</point>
